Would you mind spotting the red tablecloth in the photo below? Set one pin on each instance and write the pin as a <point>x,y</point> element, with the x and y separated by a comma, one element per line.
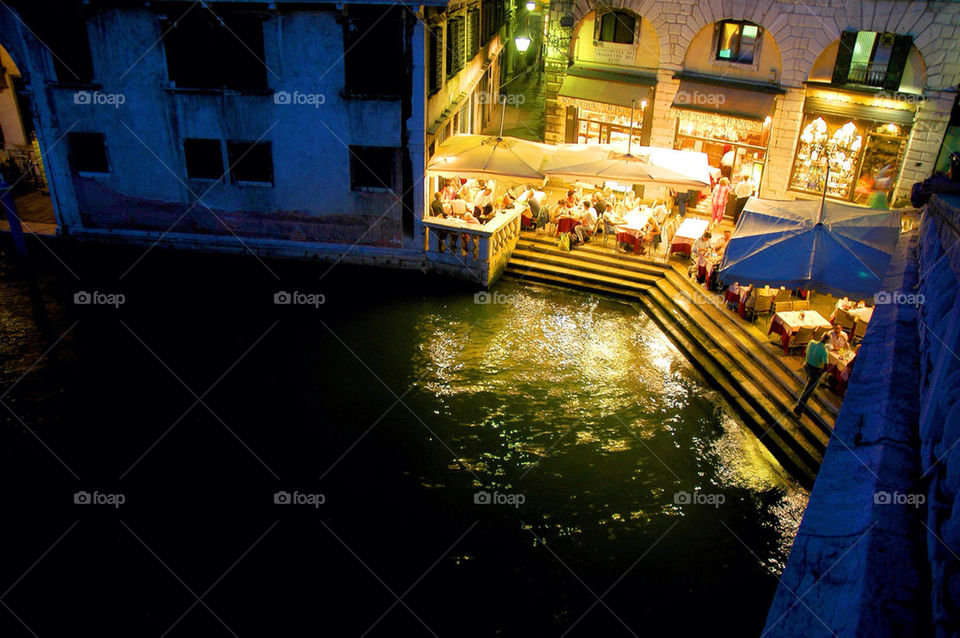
<point>681,247</point>
<point>731,296</point>
<point>630,236</point>
<point>777,326</point>
<point>526,219</point>
<point>567,224</point>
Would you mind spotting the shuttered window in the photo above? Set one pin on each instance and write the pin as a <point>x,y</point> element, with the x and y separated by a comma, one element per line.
<point>455,45</point>
<point>473,32</point>
<point>435,77</point>
<point>869,58</point>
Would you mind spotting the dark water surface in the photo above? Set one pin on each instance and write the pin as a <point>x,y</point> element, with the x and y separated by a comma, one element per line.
<point>399,400</point>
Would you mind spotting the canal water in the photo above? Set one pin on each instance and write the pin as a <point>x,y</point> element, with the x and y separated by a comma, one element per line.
<point>404,458</point>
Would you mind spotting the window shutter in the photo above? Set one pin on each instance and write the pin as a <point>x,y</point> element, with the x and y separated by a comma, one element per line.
<point>473,32</point>
<point>898,62</point>
<point>597,22</point>
<point>841,69</point>
<point>436,59</point>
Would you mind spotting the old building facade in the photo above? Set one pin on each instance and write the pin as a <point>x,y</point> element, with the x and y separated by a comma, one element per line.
<point>775,82</point>
<point>282,128</point>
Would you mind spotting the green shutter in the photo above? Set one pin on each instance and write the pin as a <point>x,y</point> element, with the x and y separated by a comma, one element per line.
<point>841,68</point>
<point>898,62</point>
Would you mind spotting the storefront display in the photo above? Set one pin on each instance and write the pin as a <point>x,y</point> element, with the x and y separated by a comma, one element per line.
<point>864,158</point>
<point>608,124</point>
<point>717,135</point>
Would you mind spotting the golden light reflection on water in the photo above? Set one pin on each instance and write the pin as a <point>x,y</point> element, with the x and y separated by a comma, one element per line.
<point>553,375</point>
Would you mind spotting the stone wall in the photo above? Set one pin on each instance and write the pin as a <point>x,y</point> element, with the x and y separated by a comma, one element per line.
<point>939,327</point>
<point>802,31</point>
<point>877,551</point>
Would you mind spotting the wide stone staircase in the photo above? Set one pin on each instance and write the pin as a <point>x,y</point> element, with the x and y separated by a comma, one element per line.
<point>732,353</point>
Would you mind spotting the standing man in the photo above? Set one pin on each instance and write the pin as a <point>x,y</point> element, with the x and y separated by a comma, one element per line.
<point>743,190</point>
<point>814,366</point>
<point>680,199</point>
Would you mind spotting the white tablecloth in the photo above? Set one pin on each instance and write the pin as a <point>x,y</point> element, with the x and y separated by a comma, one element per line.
<point>863,314</point>
<point>811,319</point>
<point>692,228</point>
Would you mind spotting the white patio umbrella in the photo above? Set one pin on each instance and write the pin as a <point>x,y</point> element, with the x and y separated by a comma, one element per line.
<point>646,165</point>
<point>489,156</point>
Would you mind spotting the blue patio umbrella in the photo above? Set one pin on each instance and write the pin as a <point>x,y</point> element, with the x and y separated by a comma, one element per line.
<point>834,248</point>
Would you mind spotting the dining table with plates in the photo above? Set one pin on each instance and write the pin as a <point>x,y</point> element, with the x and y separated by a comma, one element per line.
<point>788,322</point>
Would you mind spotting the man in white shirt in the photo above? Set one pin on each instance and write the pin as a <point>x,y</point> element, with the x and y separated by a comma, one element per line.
<point>720,243</point>
<point>483,203</point>
<point>838,338</point>
<point>458,207</point>
<point>588,221</point>
<point>743,190</point>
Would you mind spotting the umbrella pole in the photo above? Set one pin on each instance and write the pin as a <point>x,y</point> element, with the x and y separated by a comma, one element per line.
<point>503,114</point>
<point>633,103</point>
<point>823,198</point>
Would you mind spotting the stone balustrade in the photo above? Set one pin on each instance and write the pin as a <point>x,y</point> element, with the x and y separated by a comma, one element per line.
<point>475,253</point>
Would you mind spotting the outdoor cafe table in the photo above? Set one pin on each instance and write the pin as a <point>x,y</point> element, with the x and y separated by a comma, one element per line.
<point>862,314</point>
<point>706,267</point>
<point>632,232</point>
<point>566,224</point>
<point>838,368</point>
<point>788,322</point>
<point>689,231</point>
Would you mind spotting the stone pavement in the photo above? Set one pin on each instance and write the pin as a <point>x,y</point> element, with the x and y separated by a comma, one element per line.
<point>523,115</point>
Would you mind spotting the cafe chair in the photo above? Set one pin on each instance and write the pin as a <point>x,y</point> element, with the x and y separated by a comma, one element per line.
<point>846,320</point>
<point>859,329</point>
<point>782,295</point>
<point>782,306</point>
<point>609,230</point>
<point>801,337</point>
<point>818,332</point>
<point>801,305</point>
<point>762,306</point>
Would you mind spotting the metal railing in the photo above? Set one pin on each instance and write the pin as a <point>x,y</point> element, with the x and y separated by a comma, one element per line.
<point>869,74</point>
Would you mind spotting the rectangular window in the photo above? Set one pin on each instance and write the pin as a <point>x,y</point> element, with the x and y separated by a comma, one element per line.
<point>250,162</point>
<point>617,27</point>
<point>455,37</point>
<point>435,77</point>
<point>222,51</point>
<point>88,153</point>
<point>372,167</point>
<point>63,30</point>
<point>473,32</point>
<point>204,159</point>
<point>487,18</point>
<point>373,55</point>
<point>737,41</point>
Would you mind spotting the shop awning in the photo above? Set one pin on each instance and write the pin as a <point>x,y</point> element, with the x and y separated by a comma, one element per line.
<point>738,101</point>
<point>594,85</point>
<point>820,106</point>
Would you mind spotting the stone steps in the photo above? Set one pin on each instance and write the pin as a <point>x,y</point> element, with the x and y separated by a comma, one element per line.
<point>824,409</point>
